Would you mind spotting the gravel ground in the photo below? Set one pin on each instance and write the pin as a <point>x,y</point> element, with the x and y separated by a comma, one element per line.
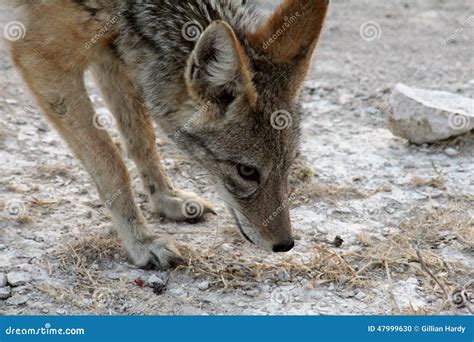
<point>384,197</point>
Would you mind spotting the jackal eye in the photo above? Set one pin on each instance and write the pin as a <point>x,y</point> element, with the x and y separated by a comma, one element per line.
<point>248,173</point>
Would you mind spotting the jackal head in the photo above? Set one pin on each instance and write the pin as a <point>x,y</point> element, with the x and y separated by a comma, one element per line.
<point>247,131</point>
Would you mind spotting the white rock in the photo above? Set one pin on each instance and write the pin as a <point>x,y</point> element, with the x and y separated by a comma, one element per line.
<point>451,151</point>
<point>17,300</point>
<point>283,275</point>
<point>423,116</point>
<point>18,278</point>
<point>153,279</point>
<point>3,280</point>
<point>203,285</point>
<point>226,247</point>
<point>5,292</point>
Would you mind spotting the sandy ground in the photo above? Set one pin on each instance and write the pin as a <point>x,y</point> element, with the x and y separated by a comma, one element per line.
<point>383,196</point>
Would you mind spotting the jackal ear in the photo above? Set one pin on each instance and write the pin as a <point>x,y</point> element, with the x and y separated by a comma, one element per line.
<point>218,68</point>
<point>290,35</point>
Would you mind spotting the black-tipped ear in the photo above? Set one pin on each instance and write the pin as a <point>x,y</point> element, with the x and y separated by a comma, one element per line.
<point>218,67</point>
<point>302,22</point>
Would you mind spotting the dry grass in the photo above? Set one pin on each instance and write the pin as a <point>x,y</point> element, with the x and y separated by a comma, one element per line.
<point>305,190</point>
<point>376,261</point>
<point>434,182</point>
<point>82,257</point>
<point>425,231</point>
<point>53,171</point>
<point>301,173</point>
<point>437,181</point>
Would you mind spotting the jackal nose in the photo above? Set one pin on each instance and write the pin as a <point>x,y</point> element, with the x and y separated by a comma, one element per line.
<point>284,247</point>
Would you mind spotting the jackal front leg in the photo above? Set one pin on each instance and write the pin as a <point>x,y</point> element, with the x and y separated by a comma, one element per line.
<point>61,93</point>
<point>134,121</point>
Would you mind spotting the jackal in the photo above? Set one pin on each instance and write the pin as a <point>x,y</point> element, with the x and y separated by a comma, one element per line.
<point>220,80</point>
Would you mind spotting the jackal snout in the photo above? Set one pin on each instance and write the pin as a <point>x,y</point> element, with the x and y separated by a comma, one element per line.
<point>264,219</point>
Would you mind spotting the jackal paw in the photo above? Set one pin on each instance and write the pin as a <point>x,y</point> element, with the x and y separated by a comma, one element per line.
<point>155,253</point>
<point>182,206</point>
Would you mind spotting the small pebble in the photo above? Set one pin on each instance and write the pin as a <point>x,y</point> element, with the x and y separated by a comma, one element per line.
<point>253,293</point>
<point>338,241</point>
<point>451,152</point>
<point>3,280</point>
<point>5,292</point>
<point>153,279</point>
<point>343,210</point>
<point>283,275</point>
<point>347,294</point>
<point>360,295</point>
<point>17,300</point>
<point>226,247</point>
<point>18,278</point>
<point>204,285</point>
<point>11,101</point>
